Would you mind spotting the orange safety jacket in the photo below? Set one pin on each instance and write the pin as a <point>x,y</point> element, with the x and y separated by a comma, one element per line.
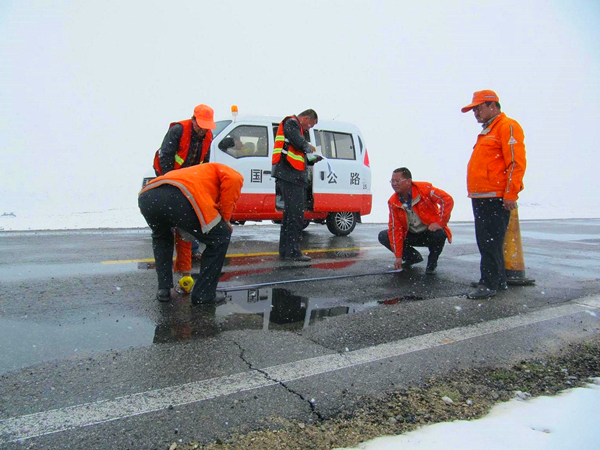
<point>212,189</point>
<point>295,157</point>
<point>431,204</point>
<point>184,146</point>
<point>498,162</point>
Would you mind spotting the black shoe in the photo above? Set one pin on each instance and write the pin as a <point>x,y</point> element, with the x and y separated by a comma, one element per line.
<point>300,257</point>
<point>481,292</point>
<point>430,269</point>
<point>163,295</point>
<point>412,261</point>
<point>219,297</point>
<point>476,284</point>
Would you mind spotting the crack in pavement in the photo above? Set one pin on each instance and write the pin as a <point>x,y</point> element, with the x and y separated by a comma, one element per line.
<point>310,402</point>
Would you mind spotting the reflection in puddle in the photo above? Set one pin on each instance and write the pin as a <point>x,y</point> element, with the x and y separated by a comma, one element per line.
<point>393,301</point>
<point>280,309</point>
<point>252,309</point>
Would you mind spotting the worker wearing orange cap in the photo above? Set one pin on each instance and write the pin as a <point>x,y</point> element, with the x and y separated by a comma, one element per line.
<point>186,144</point>
<point>494,179</point>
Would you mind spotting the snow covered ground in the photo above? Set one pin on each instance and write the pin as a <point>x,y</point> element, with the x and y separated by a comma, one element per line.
<point>39,217</point>
<point>562,422</point>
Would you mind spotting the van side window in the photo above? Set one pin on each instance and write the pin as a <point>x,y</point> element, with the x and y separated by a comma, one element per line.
<point>335,145</point>
<point>248,141</point>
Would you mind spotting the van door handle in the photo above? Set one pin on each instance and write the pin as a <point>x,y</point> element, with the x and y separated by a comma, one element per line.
<point>322,175</point>
<point>267,172</point>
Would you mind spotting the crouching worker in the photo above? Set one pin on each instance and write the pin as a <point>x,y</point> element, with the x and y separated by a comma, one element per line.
<point>419,215</point>
<point>198,200</point>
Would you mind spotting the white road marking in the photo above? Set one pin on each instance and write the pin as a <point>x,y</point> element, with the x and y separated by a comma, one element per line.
<point>54,421</point>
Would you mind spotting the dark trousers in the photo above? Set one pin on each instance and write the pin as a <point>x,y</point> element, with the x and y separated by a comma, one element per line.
<point>491,222</point>
<point>292,224</point>
<point>165,207</point>
<point>433,240</point>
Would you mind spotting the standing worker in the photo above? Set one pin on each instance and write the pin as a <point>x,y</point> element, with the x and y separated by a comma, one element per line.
<point>419,215</point>
<point>289,168</point>
<point>187,143</point>
<point>494,180</point>
<point>199,200</point>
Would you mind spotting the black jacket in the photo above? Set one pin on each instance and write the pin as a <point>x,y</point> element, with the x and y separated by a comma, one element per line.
<point>170,147</point>
<point>299,140</point>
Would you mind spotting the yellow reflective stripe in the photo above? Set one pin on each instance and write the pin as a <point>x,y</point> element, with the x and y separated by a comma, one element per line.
<point>276,150</point>
<point>280,138</point>
<point>178,159</point>
<point>296,157</point>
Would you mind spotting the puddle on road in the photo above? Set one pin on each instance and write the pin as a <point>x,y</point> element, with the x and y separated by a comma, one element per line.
<point>252,309</point>
<point>29,342</point>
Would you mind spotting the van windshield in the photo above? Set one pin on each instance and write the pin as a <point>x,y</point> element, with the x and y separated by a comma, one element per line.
<point>221,125</point>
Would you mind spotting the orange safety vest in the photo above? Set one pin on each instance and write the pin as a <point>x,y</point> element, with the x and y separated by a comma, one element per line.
<point>429,203</point>
<point>184,146</point>
<point>294,156</point>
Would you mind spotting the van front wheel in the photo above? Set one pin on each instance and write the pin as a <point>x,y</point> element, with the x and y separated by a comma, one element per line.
<point>341,223</point>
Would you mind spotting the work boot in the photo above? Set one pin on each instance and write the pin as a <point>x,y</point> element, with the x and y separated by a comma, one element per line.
<point>431,264</point>
<point>163,295</point>
<point>501,287</point>
<point>416,258</point>
<point>218,297</point>
<point>302,257</point>
<point>481,292</point>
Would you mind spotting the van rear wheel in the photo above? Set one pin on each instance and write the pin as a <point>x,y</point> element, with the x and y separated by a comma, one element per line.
<point>341,223</point>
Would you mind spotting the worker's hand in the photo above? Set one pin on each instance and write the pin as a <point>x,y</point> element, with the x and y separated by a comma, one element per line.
<point>509,205</point>
<point>434,227</point>
<point>398,264</point>
<point>229,225</point>
<point>318,158</point>
<point>312,149</point>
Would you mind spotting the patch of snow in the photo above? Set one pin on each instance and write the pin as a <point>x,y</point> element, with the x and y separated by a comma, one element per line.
<point>566,421</point>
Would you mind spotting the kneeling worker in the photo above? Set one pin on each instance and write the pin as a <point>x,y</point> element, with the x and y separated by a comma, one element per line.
<point>419,215</point>
<point>199,200</point>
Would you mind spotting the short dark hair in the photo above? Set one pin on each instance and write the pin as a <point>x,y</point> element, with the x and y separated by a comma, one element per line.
<point>404,171</point>
<point>311,113</point>
<point>497,105</point>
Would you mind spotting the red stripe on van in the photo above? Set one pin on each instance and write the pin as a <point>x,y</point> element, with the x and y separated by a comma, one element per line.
<point>343,202</point>
<point>262,206</point>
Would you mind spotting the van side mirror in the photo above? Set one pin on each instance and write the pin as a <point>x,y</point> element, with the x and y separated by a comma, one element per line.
<point>226,143</point>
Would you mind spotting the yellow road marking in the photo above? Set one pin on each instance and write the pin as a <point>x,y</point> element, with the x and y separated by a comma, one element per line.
<point>239,255</point>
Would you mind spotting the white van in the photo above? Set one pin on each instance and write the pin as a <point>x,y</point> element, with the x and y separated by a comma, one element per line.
<point>338,197</point>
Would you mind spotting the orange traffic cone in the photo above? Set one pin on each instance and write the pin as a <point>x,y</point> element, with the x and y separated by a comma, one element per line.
<point>514,264</point>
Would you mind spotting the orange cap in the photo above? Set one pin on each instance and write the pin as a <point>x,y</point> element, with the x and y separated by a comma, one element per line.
<point>204,117</point>
<point>480,97</point>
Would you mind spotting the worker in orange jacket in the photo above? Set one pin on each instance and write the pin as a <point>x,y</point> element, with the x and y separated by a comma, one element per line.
<point>419,215</point>
<point>494,179</point>
<point>186,144</point>
<point>198,200</point>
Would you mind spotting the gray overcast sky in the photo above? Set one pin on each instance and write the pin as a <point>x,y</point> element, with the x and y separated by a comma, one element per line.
<point>89,88</point>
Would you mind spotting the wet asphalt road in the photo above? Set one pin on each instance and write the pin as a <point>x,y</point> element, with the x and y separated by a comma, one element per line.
<point>90,359</point>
